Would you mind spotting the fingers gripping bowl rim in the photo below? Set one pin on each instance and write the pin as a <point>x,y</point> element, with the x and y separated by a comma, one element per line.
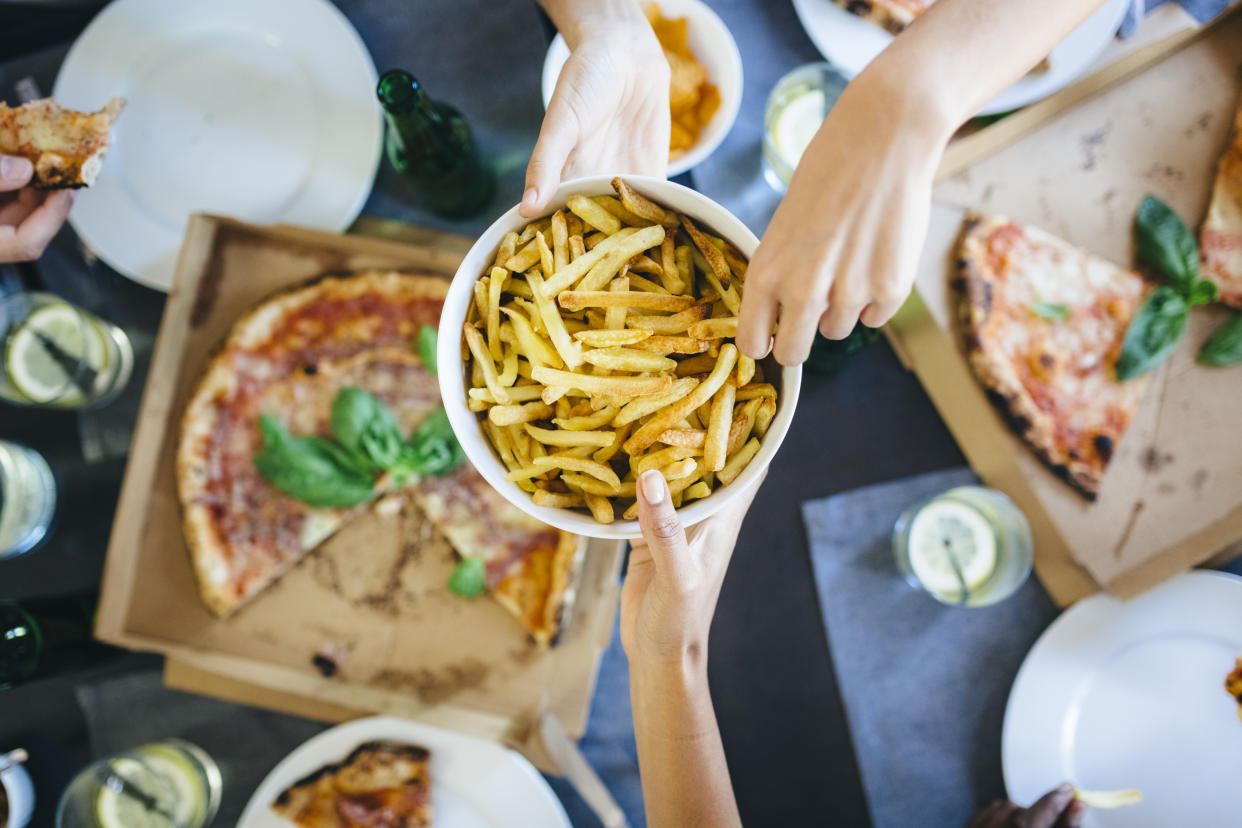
<point>466,423</point>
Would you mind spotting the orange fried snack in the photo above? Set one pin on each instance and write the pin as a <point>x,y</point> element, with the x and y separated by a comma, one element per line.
<point>692,99</point>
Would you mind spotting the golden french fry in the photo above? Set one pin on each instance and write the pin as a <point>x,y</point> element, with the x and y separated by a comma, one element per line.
<point>546,262</point>
<point>670,275</point>
<point>577,249</point>
<point>642,206</point>
<point>556,437</point>
<point>618,209</point>
<point>661,458</point>
<point>609,339</point>
<point>603,271</point>
<point>589,422</point>
<point>520,442</point>
<point>745,369</point>
<point>525,473</point>
<point>560,242</point>
<point>606,454</point>
<point>508,370</point>
<point>639,283</point>
<point>570,353</point>
<point>508,246</point>
<point>743,424</point>
<point>495,286</point>
<point>568,462</point>
<point>534,348</point>
<point>481,289</point>
<point>728,295</point>
<point>715,259</point>
<point>569,275</point>
<point>504,415</point>
<point>645,264</point>
<point>518,393</point>
<point>641,299</point>
<point>524,259</point>
<point>701,364</point>
<point>483,358</point>
<point>500,442</point>
<point>733,467</point>
<point>600,506</point>
<point>553,394</point>
<point>685,437</point>
<point>697,491</point>
<point>672,345</point>
<point>1109,799</point>
<point>756,389</point>
<point>647,434</point>
<point>574,225</point>
<point>763,417</point>
<point>736,263</point>
<point>614,317</point>
<point>625,359</point>
<point>718,425</point>
<point>643,406</point>
<point>528,232</point>
<point>594,215</point>
<point>685,264</point>
<point>476,405</point>
<point>714,328</point>
<point>593,384</point>
<point>590,485</point>
<point>518,287</point>
<point>543,497</point>
<point>675,324</point>
<point>592,239</point>
<point>680,468</point>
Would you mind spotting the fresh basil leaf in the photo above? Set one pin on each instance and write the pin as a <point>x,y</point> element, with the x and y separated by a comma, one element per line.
<point>427,348</point>
<point>1153,333</point>
<point>1224,346</point>
<point>1202,292</point>
<point>432,450</point>
<point>365,426</point>
<point>469,578</point>
<point>1165,244</point>
<point>1052,311</point>
<point>309,469</point>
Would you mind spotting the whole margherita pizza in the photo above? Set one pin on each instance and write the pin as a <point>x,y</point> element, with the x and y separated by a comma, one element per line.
<point>1220,240</point>
<point>286,361</point>
<point>1044,324</point>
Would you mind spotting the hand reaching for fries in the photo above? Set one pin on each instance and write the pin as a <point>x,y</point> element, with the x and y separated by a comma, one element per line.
<point>610,111</point>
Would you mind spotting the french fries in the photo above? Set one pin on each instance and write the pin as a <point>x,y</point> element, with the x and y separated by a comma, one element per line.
<point>586,374</point>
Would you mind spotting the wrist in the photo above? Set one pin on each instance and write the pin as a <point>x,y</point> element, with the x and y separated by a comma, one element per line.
<point>685,669</point>
<point>606,21</point>
<point>921,113</point>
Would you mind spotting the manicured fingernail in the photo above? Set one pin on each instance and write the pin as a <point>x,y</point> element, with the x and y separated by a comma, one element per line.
<point>15,168</point>
<point>531,196</point>
<point>653,486</point>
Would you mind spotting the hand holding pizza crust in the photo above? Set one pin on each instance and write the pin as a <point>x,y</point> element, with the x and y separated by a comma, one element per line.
<point>29,218</point>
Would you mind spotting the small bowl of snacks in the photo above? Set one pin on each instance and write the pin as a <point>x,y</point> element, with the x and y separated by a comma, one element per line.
<point>596,342</point>
<point>706,84</point>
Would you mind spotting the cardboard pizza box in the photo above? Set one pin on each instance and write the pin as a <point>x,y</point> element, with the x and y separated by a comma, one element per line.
<point>364,624</point>
<point>1172,497</point>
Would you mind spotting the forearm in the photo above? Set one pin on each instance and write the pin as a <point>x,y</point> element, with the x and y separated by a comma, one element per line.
<point>960,54</point>
<point>680,756</point>
<point>579,20</point>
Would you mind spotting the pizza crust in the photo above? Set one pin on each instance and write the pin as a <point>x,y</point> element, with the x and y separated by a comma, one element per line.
<point>990,328</point>
<point>65,146</point>
<point>1220,239</point>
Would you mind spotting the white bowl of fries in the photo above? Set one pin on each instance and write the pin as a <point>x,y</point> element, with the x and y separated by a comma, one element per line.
<point>597,342</point>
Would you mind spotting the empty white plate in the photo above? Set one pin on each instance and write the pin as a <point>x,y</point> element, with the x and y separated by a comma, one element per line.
<point>264,111</point>
<point>1131,695</point>
<point>850,43</point>
<point>474,783</point>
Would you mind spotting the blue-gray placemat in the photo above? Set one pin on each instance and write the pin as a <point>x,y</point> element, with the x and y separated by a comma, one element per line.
<point>924,684</point>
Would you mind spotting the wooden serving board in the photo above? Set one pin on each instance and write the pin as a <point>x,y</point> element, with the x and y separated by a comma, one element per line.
<point>372,598</point>
<point>1172,496</point>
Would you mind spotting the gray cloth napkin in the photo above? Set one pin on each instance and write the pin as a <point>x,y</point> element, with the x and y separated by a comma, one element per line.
<point>136,708</point>
<point>924,685</point>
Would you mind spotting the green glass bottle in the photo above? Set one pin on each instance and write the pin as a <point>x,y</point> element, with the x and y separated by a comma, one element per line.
<point>430,143</point>
<point>46,636</point>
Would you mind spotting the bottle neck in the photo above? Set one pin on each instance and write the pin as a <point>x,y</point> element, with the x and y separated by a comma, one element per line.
<point>410,111</point>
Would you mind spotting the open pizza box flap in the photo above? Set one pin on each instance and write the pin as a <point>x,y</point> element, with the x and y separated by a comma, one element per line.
<point>1172,496</point>
<point>369,607</point>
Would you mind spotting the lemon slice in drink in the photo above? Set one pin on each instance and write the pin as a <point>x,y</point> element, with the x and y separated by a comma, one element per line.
<point>34,370</point>
<point>188,803</point>
<point>797,124</point>
<point>115,808</point>
<point>943,528</point>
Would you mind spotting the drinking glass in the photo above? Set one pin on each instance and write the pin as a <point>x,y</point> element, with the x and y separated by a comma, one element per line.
<point>969,546</point>
<point>166,784</point>
<point>796,108</point>
<point>58,355</point>
<point>27,499</point>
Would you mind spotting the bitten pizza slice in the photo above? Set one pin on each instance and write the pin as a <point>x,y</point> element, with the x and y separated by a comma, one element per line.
<point>381,784</point>
<point>529,566</point>
<point>1044,324</point>
<point>892,15</point>
<point>1220,239</point>
<point>66,146</point>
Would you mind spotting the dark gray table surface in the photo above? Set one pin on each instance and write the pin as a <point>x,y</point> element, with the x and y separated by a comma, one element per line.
<point>775,692</point>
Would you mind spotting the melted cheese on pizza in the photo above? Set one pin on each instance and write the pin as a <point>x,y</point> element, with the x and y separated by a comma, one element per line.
<point>65,146</point>
<point>1056,377</point>
<point>379,785</point>
<point>1220,240</point>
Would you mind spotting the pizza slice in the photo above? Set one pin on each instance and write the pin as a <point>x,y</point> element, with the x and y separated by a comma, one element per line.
<point>1233,684</point>
<point>530,566</point>
<point>381,784</point>
<point>66,146</point>
<point>891,15</point>
<point>1220,239</point>
<point>1044,324</point>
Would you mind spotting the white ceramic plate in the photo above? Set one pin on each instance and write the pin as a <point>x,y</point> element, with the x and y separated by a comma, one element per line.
<point>1131,695</point>
<point>474,783</point>
<point>850,43</point>
<point>264,111</point>
<point>713,46</point>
